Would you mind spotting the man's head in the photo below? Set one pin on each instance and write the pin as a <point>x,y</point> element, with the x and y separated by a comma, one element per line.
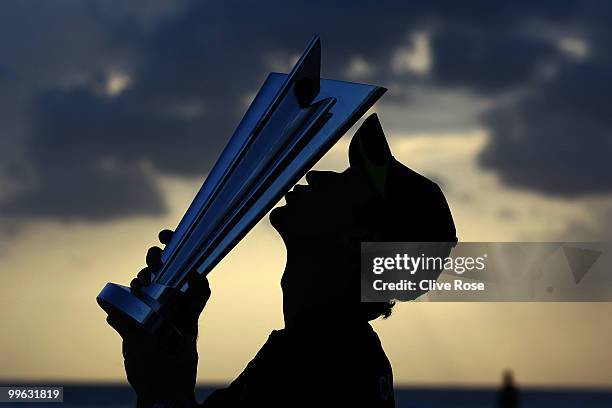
<point>324,222</point>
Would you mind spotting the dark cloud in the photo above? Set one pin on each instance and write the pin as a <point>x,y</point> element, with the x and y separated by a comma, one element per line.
<point>464,57</point>
<point>557,139</point>
<point>96,194</point>
<point>190,67</point>
<point>190,76</point>
<point>5,74</point>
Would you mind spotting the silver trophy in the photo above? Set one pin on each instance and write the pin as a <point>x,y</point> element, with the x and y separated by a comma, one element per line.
<point>292,122</point>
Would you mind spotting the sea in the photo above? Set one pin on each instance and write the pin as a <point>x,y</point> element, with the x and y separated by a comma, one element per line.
<point>116,396</point>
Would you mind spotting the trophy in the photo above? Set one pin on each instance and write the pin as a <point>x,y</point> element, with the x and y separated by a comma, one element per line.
<point>292,122</point>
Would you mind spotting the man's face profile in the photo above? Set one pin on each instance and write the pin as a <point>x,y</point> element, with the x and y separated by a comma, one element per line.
<point>316,224</point>
<point>323,210</point>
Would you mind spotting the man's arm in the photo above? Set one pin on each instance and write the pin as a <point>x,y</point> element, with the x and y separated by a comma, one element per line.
<point>160,376</point>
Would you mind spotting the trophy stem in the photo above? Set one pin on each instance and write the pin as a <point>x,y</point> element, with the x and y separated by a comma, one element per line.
<point>144,311</point>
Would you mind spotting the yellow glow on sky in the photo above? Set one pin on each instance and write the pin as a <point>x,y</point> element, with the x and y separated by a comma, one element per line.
<point>52,327</point>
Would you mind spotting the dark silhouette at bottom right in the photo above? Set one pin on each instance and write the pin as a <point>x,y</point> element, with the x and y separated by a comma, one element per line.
<point>508,396</point>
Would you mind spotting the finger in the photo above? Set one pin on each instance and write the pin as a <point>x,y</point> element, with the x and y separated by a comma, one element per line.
<point>128,329</point>
<point>199,285</point>
<point>153,257</point>
<point>136,285</point>
<point>122,325</point>
<point>199,293</point>
<point>115,324</point>
<point>165,236</point>
<point>145,276</point>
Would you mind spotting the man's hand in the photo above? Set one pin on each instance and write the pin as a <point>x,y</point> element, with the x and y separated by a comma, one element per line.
<point>157,374</point>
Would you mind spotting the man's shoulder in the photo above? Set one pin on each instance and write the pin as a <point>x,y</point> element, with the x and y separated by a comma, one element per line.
<point>321,364</point>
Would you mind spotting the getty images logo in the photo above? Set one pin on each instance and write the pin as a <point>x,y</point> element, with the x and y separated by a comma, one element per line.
<point>412,264</point>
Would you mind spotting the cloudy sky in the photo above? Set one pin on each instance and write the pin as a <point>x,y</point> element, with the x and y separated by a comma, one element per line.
<point>112,112</point>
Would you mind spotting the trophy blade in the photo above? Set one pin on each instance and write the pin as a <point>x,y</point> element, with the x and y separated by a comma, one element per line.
<point>352,101</point>
<point>249,183</point>
<point>232,201</point>
<point>270,95</point>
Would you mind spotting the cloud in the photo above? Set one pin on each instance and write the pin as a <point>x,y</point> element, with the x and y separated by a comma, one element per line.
<point>107,95</point>
<point>163,106</point>
<point>414,59</point>
<point>558,138</point>
<point>165,96</point>
<point>95,194</point>
<point>594,224</point>
<point>488,61</point>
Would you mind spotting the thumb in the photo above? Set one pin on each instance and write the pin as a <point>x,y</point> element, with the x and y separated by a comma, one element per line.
<point>126,327</point>
<point>198,292</point>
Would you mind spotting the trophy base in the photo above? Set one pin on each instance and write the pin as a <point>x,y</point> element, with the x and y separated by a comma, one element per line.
<point>144,311</point>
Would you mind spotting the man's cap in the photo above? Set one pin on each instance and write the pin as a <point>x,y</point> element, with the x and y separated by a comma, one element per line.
<point>413,204</point>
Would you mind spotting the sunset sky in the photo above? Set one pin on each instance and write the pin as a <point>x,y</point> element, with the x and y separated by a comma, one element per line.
<point>112,112</point>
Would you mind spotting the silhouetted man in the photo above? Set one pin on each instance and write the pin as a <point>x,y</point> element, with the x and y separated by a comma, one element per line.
<point>508,394</point>
<point>327,354</point>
